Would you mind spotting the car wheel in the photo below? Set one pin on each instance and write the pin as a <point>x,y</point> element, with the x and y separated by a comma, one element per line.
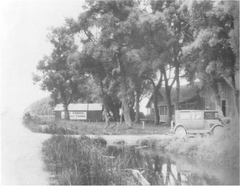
<point>180,132</point>
<point>218,131</point>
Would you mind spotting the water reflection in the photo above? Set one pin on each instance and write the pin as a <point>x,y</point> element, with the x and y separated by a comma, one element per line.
<point>162,169</point>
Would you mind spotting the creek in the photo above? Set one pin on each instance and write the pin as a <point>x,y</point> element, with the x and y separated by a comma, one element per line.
<point>159,168</point>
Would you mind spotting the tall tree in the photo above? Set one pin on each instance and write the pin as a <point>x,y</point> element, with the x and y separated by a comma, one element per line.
<point>56,75</point>
<point>177,17</point>
<point>115,25</point>
<point>157,46</point>
<point>210,57</point>
<point>96,61</point>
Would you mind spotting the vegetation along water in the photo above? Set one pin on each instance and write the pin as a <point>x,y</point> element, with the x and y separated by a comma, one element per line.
<point>79,161</point>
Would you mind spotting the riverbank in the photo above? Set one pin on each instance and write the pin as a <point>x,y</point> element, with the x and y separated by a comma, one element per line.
<point>49,125</point>
<point>118,161</point>
<point>223,150</point>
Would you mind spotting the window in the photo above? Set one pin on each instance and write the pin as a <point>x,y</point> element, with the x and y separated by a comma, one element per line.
<point>210,115</point>
<point>183,107</point>
<point>163,110</point>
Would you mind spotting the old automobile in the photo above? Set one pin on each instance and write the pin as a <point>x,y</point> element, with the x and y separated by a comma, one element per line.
<point>197,122</point>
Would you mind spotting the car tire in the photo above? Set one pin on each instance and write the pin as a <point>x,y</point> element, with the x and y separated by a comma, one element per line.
<point>218,131</point>
<point>180,132</point>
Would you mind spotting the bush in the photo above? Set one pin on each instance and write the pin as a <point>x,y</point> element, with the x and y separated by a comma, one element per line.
<point>218,150</point>
<point>81,162</point>
<point>151,143</point>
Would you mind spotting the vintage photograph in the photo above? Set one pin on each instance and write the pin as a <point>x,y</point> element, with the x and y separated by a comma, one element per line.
<point>119,92</point>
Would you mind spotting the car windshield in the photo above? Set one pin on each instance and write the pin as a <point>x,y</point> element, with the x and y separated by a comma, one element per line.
<point>210,115</point>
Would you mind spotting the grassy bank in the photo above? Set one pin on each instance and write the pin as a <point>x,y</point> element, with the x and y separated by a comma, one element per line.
<point>222,150</point>
<point>82,162</point>
<point>47,124</point>
<point>40,124</point>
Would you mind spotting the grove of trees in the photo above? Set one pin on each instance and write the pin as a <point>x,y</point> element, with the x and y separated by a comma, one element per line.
<point>43,106</point>
<point>117,52</point>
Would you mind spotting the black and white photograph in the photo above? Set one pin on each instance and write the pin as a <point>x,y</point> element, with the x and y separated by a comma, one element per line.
<point>119,92</point>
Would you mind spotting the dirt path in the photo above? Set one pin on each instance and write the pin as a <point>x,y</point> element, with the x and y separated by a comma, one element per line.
<point>21,159</point>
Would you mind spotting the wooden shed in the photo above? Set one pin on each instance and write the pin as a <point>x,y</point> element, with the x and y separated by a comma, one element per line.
<point>80,111</point>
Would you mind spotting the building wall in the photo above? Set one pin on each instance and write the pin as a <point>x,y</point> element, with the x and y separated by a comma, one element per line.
<point>206,100</point>
<point>81,115</point>
<point>58,114</point>
<point>226,99</point>
<point>94,115</point>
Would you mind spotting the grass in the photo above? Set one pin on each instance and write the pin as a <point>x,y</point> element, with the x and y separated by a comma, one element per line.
<point>82,162</point>
<point>222,150</point>
<point>40,124</point>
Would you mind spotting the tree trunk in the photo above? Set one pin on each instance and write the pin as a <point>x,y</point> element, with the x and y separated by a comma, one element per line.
<point>215,88</point>
<point>65,105</point>
<point>126,110</point>
<point>66,111</point>
<point>169,106</point>
<point>113,108</point>
<point>231,82</point>
<point>155,98</point>
<point>178,85</point>
<point>155,103</point>
<point>137,98</point>
<point>105,112</point>
<point>168,96</point>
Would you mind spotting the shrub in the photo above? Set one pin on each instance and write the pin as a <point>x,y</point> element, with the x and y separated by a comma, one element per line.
<point>149,142</point>
<point>81,162</point>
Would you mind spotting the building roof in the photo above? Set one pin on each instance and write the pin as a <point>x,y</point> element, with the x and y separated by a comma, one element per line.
<point>187,92</point>
<point>80,107</point>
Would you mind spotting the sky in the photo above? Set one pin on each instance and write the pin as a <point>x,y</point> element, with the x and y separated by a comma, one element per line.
<point>24,27</point>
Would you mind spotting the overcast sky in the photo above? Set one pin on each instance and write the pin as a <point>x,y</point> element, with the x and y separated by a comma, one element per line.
<point>24,26</point>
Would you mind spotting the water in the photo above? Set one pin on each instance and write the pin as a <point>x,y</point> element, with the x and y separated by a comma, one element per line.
<point>164,169</point>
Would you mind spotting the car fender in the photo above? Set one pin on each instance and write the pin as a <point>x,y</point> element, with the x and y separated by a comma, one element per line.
<point>211,130</point>
<point>179,125</point>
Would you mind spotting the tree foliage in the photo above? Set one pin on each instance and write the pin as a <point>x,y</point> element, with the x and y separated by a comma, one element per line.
<point>57,75</point>
<point>125,47</point>
<point>211,57</point>
<point>43,106</point>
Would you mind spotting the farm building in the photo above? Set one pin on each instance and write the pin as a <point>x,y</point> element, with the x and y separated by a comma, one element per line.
<point>194,98</point>
<point>80,111</point>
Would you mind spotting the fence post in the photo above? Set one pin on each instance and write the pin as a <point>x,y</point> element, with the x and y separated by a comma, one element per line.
<point>143,124</point>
